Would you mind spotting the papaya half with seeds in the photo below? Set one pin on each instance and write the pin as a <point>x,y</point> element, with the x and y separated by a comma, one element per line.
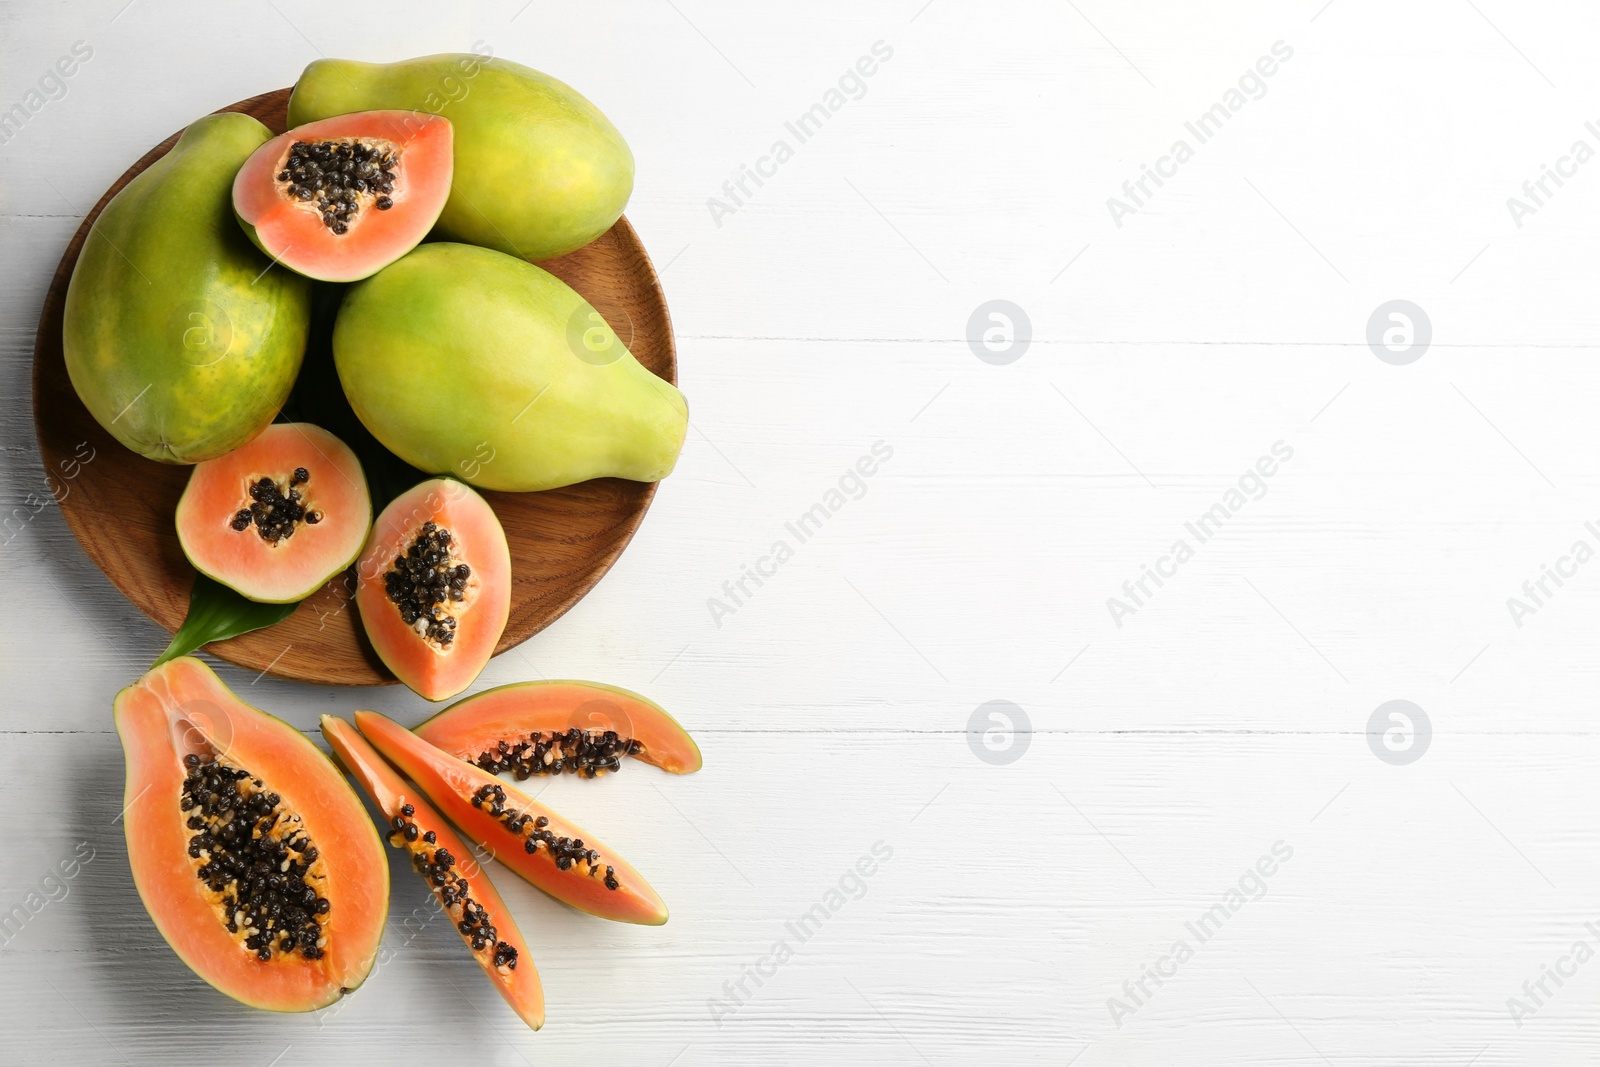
<point>180,337</point>
<point>252,854</point>
<point>434,587</point>
<point>526,836</point>
<point>341,198</point>
<point>539,171</point>
<point>556,727</point>
<point>276,519</point>
<point>446,863</point>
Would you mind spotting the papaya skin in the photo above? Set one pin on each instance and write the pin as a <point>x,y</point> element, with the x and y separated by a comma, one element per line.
<point>180,337</point>
<point>539,170</point>
<point>461,361</point>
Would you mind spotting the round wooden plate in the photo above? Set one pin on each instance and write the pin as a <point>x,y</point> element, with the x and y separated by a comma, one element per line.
<point>120,505</point>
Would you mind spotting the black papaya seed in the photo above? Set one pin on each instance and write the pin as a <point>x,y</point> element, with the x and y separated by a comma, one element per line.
<point>236,831</point>
<point>339,174</point>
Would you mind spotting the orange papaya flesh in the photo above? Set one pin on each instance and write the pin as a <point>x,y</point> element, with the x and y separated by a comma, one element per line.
<point>526,836</point>
<point>276,519</point>
<point>447,864</point>
<point>434,586</point>
<point>252,854</point>
<point>342,198</point>
<point>556,727</point>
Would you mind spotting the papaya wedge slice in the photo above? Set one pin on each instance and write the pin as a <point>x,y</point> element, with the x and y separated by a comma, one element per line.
<point>532,840</point>
<point>446,863</point>
<point>583,728</point>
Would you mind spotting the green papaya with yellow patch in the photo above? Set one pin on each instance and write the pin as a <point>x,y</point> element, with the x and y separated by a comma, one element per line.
<point>465,361</point>
<point>181,338</point>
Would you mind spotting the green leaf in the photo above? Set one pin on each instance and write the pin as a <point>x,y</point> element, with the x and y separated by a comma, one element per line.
<point>217,613</point>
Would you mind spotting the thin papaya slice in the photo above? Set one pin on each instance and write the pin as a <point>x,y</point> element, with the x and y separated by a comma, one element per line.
<point>252,854</point>
<point>557,727</point>
<point>532,840</point>
<point>446,863</point>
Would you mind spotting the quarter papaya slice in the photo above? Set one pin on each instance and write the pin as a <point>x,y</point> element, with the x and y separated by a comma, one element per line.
<point>277,518</point>
<point>434,587</point>
<point>557,727</point>
<point>531,839</point>
<point>252,854</point>
<point>443,860</point>
<point>342,198</point>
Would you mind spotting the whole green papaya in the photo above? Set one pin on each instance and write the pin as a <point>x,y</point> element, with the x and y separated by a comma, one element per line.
<point>465,361</point>
<point>539,171</point>
<point>180,337</point>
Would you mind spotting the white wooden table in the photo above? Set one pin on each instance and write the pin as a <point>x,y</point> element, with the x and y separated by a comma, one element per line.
<point>1198,765</point>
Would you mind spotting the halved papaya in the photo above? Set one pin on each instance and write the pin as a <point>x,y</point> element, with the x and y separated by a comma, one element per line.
<point>525,835</point>
<point>250,851</point>
<point>462,887</point>
<point>277,518</point>
<point>434,586</point>
<point>557,727</point>
<point>342,198</point>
